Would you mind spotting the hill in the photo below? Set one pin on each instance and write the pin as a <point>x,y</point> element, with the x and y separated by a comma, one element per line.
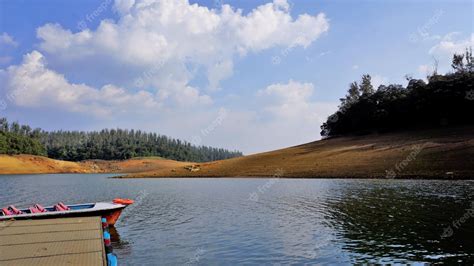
<point>30,164</point>
<point>440,153</point>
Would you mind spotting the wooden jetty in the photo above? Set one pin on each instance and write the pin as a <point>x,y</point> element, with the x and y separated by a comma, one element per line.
<point>64,241</point>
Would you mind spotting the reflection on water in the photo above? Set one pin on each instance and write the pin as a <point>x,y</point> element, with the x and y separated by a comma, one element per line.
<point>404,222</point>
<point>212,221</point>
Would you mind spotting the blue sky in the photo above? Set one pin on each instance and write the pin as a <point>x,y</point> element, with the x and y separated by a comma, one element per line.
<point>255,80</point>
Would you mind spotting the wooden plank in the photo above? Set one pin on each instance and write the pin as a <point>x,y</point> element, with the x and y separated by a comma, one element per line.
<point>90,258</point>
<point>65,241</point>
<point>25,230</point>
<point>49,249</point>
<point>52,221</point>
<point>7,240</point>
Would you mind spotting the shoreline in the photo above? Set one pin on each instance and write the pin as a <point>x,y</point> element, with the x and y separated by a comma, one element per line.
<point>302,178</point>
<point>124,176</point>
<point>442,154</point>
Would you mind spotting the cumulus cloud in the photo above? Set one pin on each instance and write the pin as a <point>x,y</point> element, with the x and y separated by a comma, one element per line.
<point>378,80</point>
<point>8,40</point>
<point>32,84</point>
<point>426,70</point>
<point>289,100</point>
<point>180,35</point>
<point>450,44</point>
<point>292,100</point>
<point>148,61</point>
<point>287,115</point>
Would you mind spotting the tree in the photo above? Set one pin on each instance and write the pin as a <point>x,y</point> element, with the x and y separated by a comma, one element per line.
<point>469,60</point>
<point>366,87</point>
<point>3,143</point>
<point>353,93</point>
<point>443,101</point>
<point>458,63</point>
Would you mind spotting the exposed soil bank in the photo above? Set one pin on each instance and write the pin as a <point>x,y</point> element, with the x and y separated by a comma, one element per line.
<point>28,164</point>
<point>445,154</point>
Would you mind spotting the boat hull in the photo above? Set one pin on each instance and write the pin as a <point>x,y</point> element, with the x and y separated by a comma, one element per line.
<point>109,211</point>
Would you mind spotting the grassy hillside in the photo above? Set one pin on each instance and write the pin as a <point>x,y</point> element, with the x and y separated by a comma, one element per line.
<point>30,164</point>
<point>443,153</point>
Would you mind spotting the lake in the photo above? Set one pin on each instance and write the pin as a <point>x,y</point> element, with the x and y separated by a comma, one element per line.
<point>271,221</point>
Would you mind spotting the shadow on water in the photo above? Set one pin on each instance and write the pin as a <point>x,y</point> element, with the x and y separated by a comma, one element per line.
<point>404,223</point>
<point>115,237</point>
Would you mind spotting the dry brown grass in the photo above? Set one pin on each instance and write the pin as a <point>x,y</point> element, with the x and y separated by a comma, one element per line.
<point>29,164</point>
<point>449,150</point>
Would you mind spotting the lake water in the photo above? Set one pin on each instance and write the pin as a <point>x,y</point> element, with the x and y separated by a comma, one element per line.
<point>271,221</point>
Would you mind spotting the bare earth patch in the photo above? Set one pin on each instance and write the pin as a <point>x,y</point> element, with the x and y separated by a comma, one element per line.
<point>446,153</point>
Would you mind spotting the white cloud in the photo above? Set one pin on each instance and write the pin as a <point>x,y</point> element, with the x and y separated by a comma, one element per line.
<point>286,115</point>
<point>292,92</point>
<point>6,39</point>
<point>293,117</point>
<point>449,45</point>
<point>355,67</point>
<point>183,36</point>
<point>219,71</point>
<point>32,84</point>
<point>425,70</point>
<point>292,101</point>
<point>378,80</point>
<point>162,44</point>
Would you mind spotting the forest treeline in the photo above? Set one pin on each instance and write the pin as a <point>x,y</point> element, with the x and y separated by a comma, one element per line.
<point>107,144</point>
<point>444,100</point>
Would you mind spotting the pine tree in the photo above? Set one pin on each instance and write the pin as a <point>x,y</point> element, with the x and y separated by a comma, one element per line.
<point>366,87</point>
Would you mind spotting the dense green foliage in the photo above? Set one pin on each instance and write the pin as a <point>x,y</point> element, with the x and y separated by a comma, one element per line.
<point>445,100</point>
<point>16,139</point>
<point>114,144</point>
<point>125,144</point>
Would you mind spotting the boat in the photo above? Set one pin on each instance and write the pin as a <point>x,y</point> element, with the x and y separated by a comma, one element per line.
<point>109,210</point>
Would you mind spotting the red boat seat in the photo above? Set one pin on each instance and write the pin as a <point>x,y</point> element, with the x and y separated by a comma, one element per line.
<point>58,208</point>
<point>14,210</point>
<point>66,208</point>
<point>34,210</point>
<point>40,208</point>
<point>61,207</point>
<point>6,212</point>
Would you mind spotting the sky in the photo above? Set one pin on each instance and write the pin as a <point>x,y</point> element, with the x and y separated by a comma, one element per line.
<point>244,75</point>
